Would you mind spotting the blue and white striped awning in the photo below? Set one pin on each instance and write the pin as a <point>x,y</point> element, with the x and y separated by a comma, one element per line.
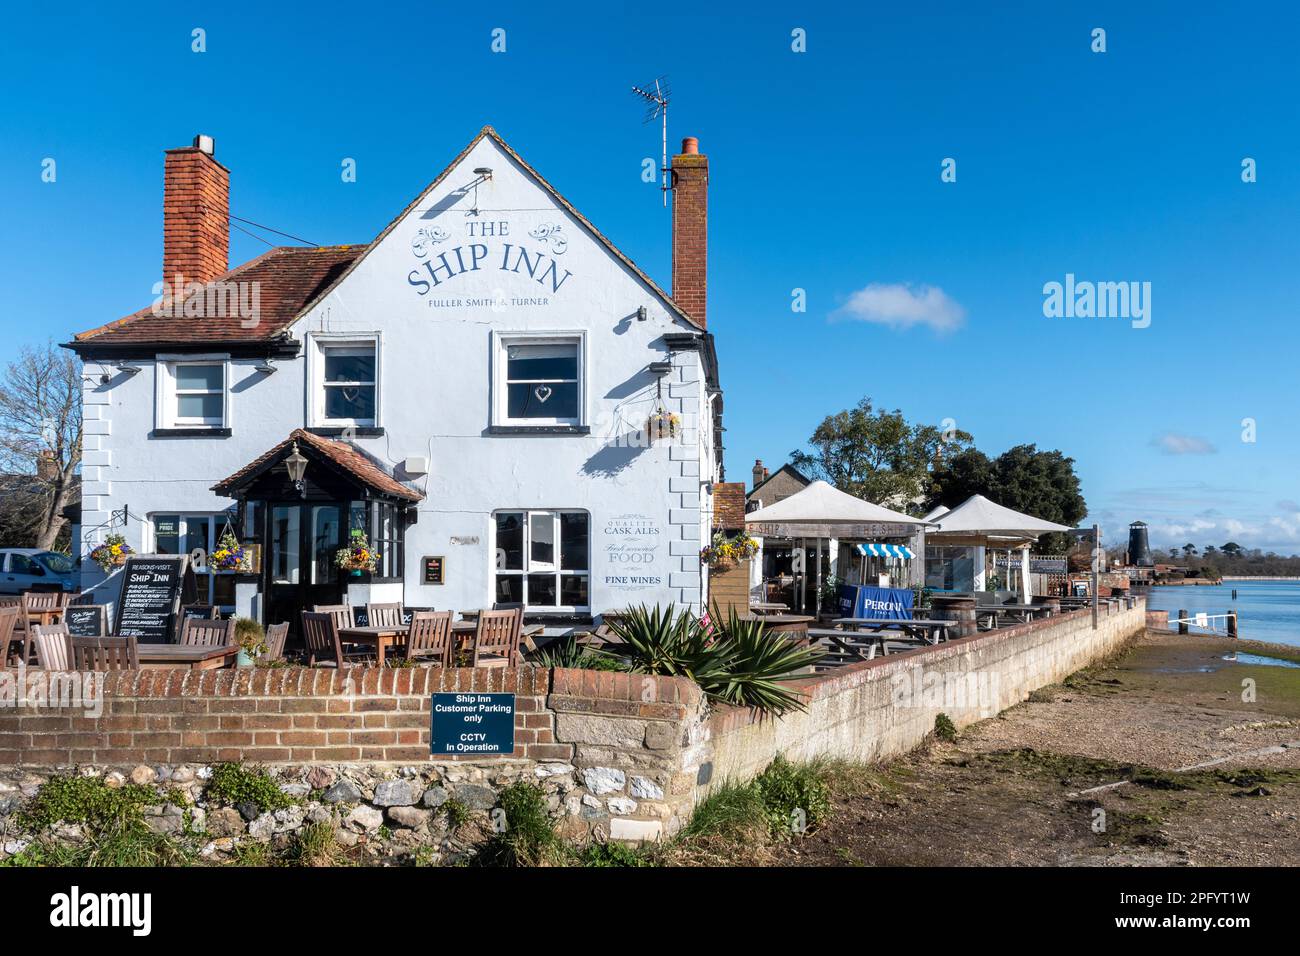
<point>885,551</point>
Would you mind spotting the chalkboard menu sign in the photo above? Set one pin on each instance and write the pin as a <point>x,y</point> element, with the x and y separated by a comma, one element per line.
<point>407,613</point>
<point>153,587</point>
<point>360,616</point>
<point>86,620</point>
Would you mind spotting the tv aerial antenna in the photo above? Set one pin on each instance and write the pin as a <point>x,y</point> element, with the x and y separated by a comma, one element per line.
<point>656,96</point>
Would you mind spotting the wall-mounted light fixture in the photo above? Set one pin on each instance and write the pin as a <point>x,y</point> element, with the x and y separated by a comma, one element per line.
<point>129,368</point>
<point>266,368</point>
<point>642,313</point>
<point>660,368</point>
<point>296,465</point>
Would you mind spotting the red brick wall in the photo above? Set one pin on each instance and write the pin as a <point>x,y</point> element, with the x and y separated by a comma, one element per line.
<point>196,211</point>
<point>290,715</point>
<point>690,230</point>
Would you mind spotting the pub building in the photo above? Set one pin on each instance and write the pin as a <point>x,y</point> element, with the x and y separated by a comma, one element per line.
<point>497,397</point>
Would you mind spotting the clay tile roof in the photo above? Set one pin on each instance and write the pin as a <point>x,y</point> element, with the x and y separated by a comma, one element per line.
<point>347,457</point>
<point>289,279</point>
<point>729,505</point>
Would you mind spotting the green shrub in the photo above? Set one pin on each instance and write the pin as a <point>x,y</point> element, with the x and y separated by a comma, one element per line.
<point>233,784</point>
<point>527,836</point>
<point>568,653</point>
<point>944,728</point>
<point>795,797</point>
<point>87,801</point>
<point>457,812</point>
<point>613,854</point>
<point>731,813</point>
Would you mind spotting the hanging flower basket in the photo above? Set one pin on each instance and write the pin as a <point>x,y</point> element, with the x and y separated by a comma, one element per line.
<point>358,557</point>
<point>230,555</point>
<point>662,424</point>
<point>726,552</point>
<point>112,553</point>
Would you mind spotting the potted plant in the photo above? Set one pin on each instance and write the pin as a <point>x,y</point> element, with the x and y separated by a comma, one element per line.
<point>726,552</point>
<point>230,555</point>
<point>251,640</point>
<point>358,557</point>
<point>662,424</point>
<point>112,553</point>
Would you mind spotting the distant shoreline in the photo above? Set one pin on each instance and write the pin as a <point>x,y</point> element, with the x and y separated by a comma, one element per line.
<point>1261,577</point>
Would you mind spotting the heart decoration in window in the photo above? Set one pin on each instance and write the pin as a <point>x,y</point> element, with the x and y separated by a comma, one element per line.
<point>542,393</point>
<point>350,394</point>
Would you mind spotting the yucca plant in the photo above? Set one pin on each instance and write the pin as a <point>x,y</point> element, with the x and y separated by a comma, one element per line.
<point>666,641</point>
<point>758,660</point>
<point>735,661</point>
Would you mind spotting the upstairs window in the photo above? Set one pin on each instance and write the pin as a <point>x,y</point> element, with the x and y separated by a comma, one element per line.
<point>345,382</point>
<point>192,394</point>
<point>540,380</point>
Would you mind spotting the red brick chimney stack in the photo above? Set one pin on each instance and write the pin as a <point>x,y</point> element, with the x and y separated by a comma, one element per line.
<point>196,216</point>
<point>690,179</point>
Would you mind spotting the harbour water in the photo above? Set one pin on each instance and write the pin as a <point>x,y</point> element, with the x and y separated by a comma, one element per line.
<point>1266,610</point>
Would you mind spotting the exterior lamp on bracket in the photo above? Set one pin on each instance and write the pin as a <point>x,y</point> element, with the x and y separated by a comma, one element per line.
<point>296,465</point>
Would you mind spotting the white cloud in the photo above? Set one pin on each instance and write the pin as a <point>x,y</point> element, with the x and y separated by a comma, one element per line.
<point>1172,443</point>
<point>900,306</point>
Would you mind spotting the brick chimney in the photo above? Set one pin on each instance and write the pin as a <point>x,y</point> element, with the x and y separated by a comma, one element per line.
<point>760,473</point>
<point>690,181</point>
<point>196,211</point>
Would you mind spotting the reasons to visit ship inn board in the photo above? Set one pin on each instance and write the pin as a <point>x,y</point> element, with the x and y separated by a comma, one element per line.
<point>489,400</point>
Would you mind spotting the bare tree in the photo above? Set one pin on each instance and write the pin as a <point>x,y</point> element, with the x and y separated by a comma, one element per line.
<point>40,436</point>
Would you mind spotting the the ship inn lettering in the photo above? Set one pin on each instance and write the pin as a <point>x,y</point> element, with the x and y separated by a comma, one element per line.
<point>631,545</point>
<point>488,247</point>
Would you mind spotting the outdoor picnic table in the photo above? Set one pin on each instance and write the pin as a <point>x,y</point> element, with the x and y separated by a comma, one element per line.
<point>847,640</point>
<point>186,656</point>
<point>1024,612</point>
<point>768,607</point>
<point>930,630</point>
<point>781,622</point>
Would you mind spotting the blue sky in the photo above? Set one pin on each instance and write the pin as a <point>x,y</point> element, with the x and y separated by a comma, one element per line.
<point>1116,166</point>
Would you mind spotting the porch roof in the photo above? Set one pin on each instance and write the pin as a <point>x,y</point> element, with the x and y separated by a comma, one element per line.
<point>346,457</point>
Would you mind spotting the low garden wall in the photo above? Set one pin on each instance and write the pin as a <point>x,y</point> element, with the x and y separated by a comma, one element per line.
<point>621,756</point>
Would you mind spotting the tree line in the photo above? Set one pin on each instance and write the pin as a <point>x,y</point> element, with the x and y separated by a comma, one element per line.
<point>879,456</point>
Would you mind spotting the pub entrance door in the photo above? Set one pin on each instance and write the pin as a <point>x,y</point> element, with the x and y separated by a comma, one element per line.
<point>299,572</point>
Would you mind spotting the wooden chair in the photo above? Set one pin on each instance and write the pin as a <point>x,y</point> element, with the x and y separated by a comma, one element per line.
<point>341,613</point>
<point>104,653</point>
<point>320,633</point>
<point>39,601</point>
<point>496,638</point>
<point>201,612</point>
<point>50,643</point>
<point>8,623</point>
<point>200,633</point>
<point>275,638</point>
<point>429,637</point>
<point>85,597</point>
<point>518,610</point>
<point>384,615</point>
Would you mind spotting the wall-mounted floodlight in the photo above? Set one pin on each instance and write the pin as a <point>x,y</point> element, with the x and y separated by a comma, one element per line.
<point>126,368</point>
<point>642,313</point>
<point>484,173</point>
<point>266,368</point>
<point>660,368</point>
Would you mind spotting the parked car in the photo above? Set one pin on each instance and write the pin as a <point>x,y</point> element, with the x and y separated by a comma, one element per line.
<point>31,569</point>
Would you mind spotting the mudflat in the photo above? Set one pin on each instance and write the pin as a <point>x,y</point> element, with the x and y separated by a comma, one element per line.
<point>1014,789</point>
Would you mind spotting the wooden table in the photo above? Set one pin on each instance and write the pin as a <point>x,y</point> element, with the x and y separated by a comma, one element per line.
<point>1023,612</point>
<point>768,607</point>
<point>930,630</point>
<point>44,616</point>
<point>846,641</point>
<point>186,656</point>
<point>380,637</point>
<point>781,622</point>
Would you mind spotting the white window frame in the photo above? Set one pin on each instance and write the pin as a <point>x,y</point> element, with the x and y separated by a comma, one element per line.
<point>556,571</point>
<point>167,395</point>
<point>318,344</point>
<point>501,342</point>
